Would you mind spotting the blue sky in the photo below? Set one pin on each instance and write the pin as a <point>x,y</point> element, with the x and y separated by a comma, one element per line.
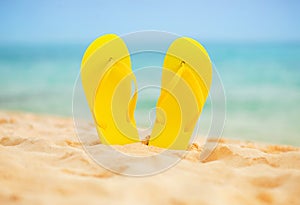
<point>80,21</point>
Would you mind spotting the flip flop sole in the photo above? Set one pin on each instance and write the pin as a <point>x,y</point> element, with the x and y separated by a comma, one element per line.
<point>107,81</point>
<point>186,79</point>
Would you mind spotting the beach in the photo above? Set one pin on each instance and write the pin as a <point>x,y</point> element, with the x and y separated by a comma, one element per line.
<point>43,162</point>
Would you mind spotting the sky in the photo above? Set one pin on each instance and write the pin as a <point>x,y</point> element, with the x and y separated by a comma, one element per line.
<point>79,21</point>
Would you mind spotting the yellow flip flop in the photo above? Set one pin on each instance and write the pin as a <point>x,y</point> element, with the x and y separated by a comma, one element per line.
<point>107,81</point>
<point>186,80</point>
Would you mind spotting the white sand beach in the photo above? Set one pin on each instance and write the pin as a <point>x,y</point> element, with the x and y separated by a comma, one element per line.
<point>42,162</point>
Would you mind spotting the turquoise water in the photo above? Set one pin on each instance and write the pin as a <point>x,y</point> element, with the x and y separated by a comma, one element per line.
<point>261,81</point>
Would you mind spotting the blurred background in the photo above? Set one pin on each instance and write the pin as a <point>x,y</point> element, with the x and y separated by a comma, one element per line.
<point>255,46</point>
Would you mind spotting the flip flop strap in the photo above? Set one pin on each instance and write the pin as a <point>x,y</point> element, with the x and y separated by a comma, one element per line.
<point>174,81</point>
<point>132,102</point>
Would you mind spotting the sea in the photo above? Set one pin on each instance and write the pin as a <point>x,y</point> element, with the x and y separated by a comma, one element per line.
<point>260,82</point>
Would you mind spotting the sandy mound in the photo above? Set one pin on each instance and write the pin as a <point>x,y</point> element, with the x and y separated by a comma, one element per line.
<point>42,162</point>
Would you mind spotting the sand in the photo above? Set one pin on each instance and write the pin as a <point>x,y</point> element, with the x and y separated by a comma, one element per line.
<point>42,162</point>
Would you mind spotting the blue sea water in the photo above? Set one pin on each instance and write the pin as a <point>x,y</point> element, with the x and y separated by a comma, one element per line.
<point>261,82</point>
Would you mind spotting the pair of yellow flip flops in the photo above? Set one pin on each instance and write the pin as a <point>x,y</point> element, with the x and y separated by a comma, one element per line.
<point>107,79</point>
